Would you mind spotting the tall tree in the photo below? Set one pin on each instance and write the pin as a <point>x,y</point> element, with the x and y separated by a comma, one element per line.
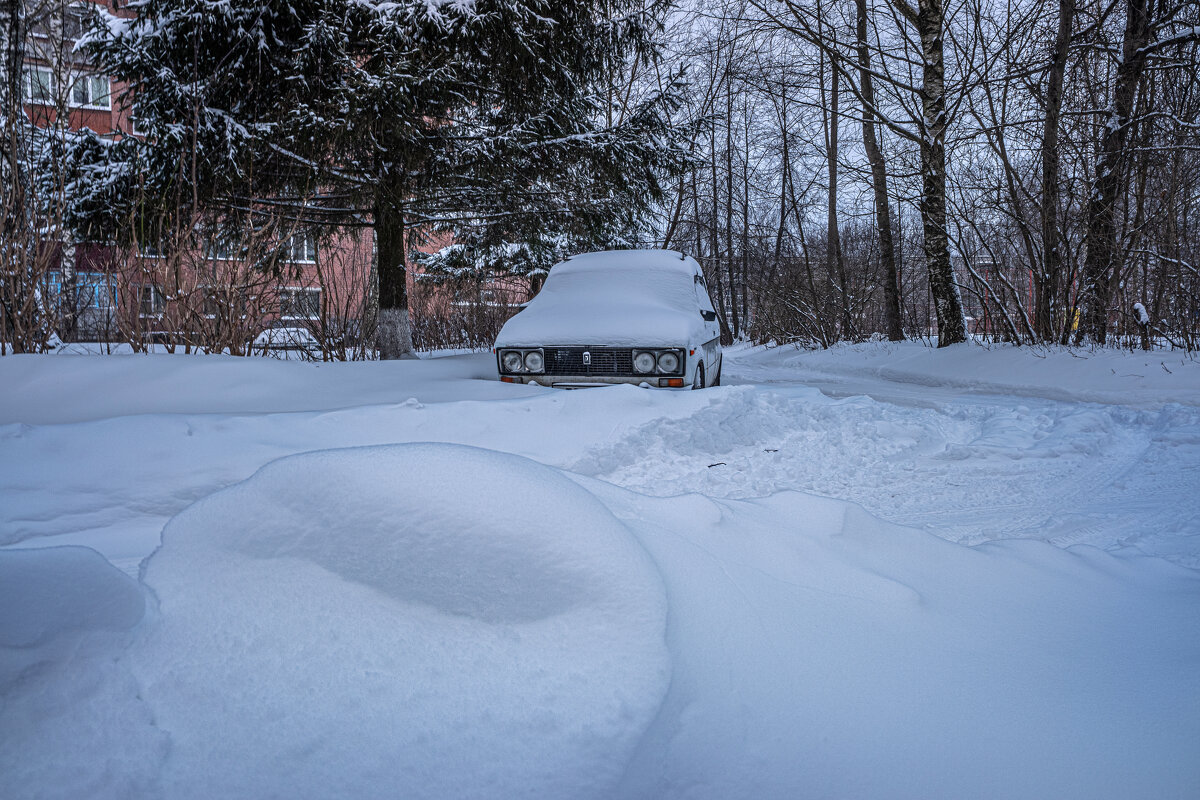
<point>1149,29</point>
<point>32,175</point>
<point>12,58</point>
<point>883,215</point>
<point>1110,177</point>
<point>483,119</point>
<point>1048,275</point>
<point>930,21</point>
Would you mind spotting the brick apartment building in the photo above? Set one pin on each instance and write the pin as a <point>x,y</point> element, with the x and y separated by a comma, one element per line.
<point>208,295</point>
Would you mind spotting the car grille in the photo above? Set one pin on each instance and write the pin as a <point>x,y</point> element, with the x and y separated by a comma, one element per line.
<point>604,361</point>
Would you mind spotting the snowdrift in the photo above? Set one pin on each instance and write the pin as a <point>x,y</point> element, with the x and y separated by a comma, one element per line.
<point>433,620</point>
<point>377,622</point>
<point>56,389</point>
<point>1140,378</point>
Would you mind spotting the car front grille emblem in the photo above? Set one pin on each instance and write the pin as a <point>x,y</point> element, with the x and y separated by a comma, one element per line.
<point>587,358</point>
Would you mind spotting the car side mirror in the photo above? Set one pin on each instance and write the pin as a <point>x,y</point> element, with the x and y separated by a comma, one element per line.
<point>709,316</point>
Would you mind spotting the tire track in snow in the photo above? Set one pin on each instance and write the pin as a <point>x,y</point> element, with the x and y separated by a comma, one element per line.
<point>969,470</point>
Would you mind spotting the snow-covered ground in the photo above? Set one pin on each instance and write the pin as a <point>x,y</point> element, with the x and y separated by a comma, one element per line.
<point>880,571</point>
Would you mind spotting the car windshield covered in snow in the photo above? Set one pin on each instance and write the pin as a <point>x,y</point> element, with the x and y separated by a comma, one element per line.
<point>624,316</point>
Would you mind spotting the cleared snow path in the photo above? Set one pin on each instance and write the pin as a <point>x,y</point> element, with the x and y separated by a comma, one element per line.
<point>944,453</point>
<point>971,470</point>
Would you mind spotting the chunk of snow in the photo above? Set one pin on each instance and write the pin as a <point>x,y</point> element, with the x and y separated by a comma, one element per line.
<point>50,592</point>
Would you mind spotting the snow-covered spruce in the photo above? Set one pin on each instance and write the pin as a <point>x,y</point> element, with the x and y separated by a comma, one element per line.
<point>482,119</point>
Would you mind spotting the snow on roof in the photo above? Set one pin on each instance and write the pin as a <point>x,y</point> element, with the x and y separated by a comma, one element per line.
<point>620,298</point>
<point>609,260</point>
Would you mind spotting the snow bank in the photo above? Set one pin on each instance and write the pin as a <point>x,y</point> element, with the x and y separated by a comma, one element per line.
<point>441,621</point>
<point>410,621</point>
<point>434,620</point>
<point>1100,376</point>
<point>622,298</point>
<point>41,389</point>
<point>112,484</point>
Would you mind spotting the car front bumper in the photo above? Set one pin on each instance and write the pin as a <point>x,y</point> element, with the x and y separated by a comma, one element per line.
<point>593,381</point>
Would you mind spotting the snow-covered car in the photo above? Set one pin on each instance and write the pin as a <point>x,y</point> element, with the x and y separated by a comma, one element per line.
<point>287,338</point>
<point>622,316</point>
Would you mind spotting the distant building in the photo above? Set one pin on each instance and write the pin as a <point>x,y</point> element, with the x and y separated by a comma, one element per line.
<point>205,298</point>
<point>212,296</point>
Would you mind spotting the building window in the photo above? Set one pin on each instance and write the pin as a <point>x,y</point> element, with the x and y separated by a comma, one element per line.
<point>37,85</point>
<point>150,300</point>
<point>299,303</point>
<point>151,250</point>
<point>76,19</point>
<point>64,24</point>
<point>91,91</point>
<point>93,290</point>
<point>221,249</point>
<point>301,248</point>
<point>211,306</point>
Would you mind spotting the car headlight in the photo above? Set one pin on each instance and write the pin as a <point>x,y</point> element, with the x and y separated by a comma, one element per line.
<point>511,359</point>
<point>643,362</point>
<point>668,362</point>
<point>534,361</point>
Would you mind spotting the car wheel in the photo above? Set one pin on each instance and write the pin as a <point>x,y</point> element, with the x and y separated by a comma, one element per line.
<point>699,382</point>
<point>717,379</point>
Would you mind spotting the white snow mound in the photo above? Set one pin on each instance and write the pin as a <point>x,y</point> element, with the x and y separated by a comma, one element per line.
<point>404,621</point>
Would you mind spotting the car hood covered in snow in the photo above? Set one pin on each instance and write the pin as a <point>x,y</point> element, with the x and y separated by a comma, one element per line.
<point>622,298</point>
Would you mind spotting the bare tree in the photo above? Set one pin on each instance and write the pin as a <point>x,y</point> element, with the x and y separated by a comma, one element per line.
<point>883,218</point>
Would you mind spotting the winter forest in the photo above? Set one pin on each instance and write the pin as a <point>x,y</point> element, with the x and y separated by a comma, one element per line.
<point>1022,171</point>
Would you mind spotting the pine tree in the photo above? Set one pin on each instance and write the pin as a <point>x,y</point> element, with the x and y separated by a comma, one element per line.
<point>480,118</point>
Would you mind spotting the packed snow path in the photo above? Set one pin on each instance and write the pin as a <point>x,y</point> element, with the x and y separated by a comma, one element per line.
<point>956,456</point>
<point>610,593</point>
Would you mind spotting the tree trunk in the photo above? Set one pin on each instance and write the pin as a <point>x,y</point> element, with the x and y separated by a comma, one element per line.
<point>69,301</point>
<point>1047,284</point>
<point>746,224</point>
<point>12,57</point>
<point>733,298</point>
<point>833,251</point>
<point>947,302</point>
<point>392,332</point>
<point>1096,288</point>
<point>786,167</point>
<point>715,237</point>
<point>883,216</point>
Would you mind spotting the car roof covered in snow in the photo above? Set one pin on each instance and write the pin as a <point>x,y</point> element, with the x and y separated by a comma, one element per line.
<point>620,298</point>
<point>611,260</point>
